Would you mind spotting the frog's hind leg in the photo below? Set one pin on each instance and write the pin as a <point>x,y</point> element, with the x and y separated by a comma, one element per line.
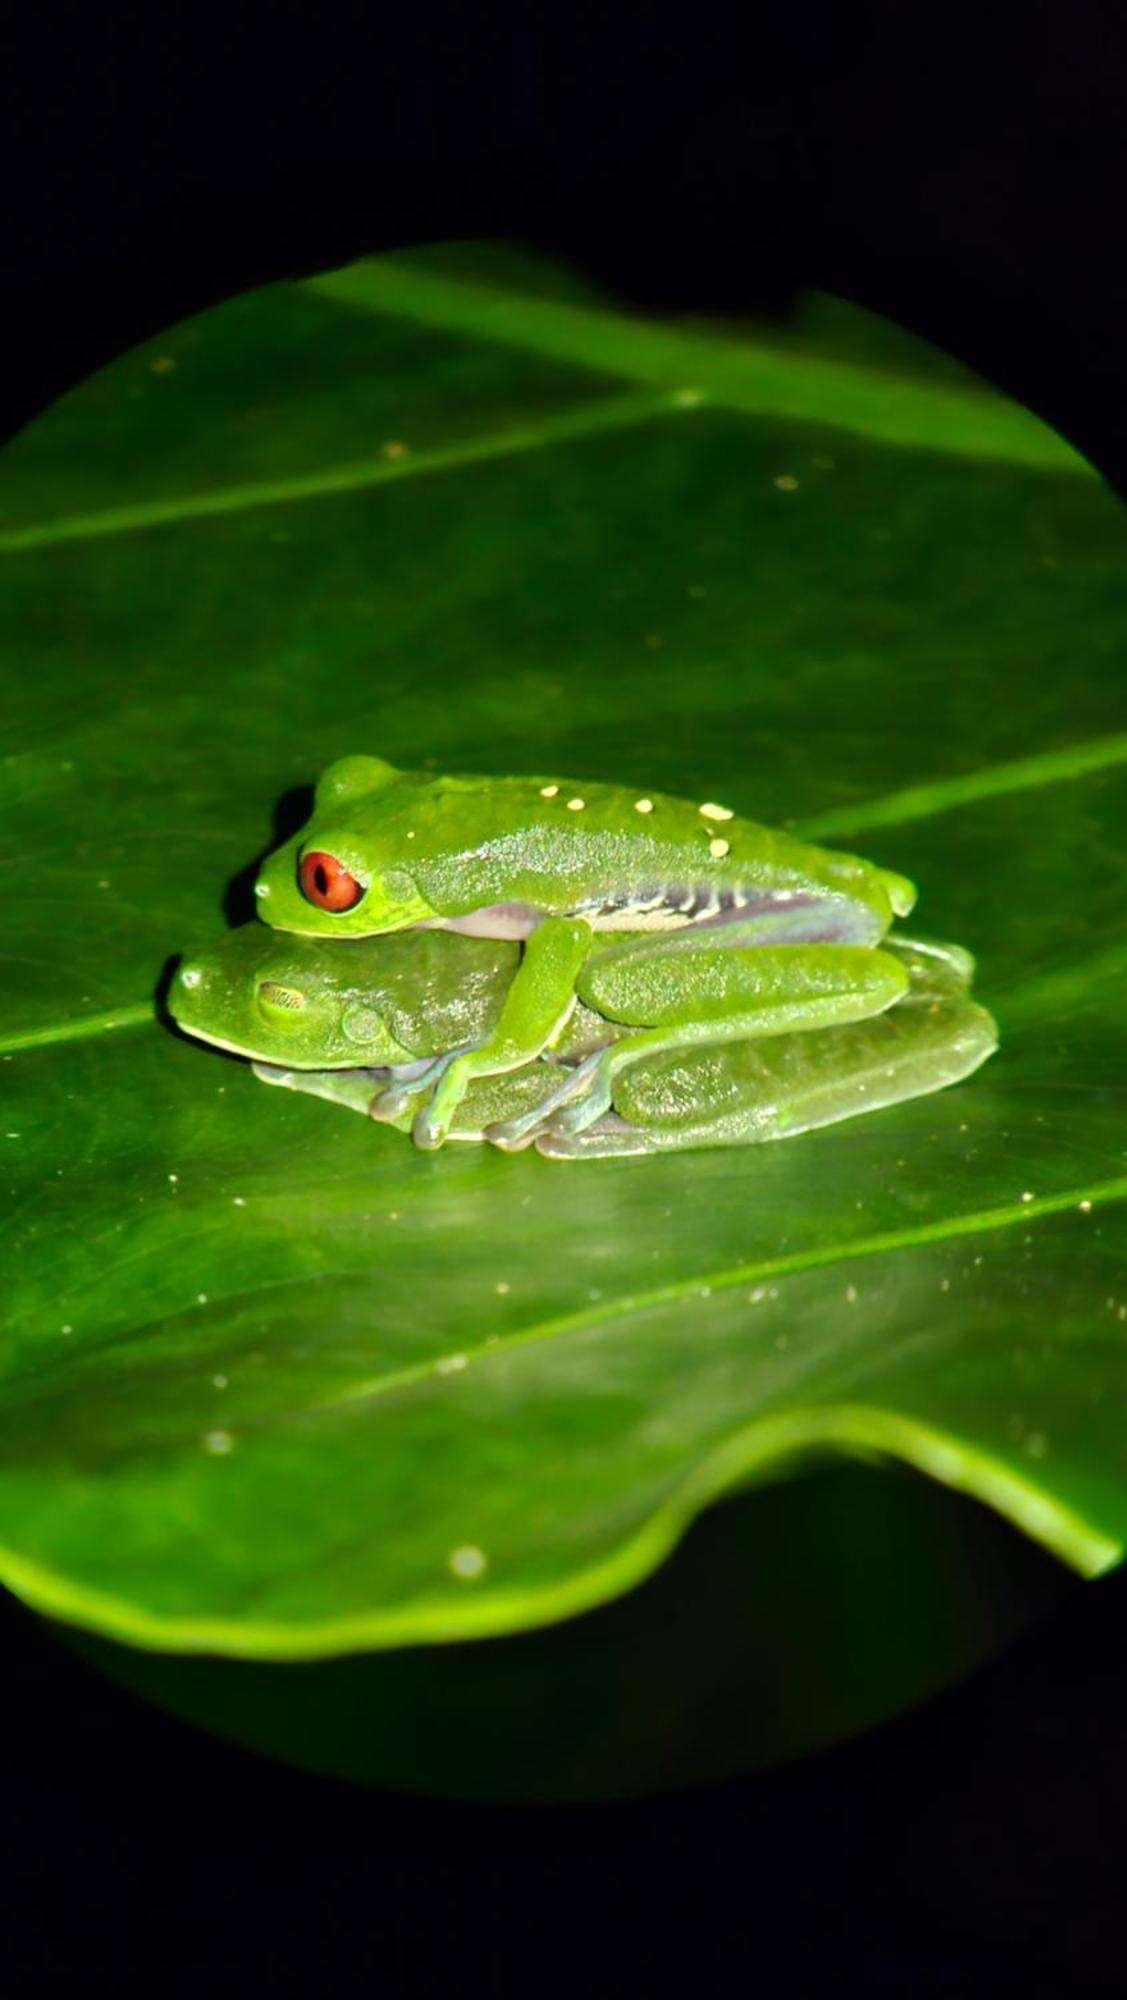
<point>707,989</point>
<point>734,996</point>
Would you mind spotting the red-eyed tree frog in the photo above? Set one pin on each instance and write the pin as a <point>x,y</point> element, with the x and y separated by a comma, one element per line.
<point>735,928</point>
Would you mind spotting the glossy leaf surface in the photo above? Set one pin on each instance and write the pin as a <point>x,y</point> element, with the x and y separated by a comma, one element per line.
<point>275,1383</point>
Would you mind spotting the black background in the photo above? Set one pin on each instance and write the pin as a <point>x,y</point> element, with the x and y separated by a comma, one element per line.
<point>961,171</point>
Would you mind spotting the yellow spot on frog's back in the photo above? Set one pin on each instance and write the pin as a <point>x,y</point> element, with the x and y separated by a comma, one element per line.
<point>718,849</point>
<point>576,805</point>
<point>709,811</point>
<point>549,791</point>
<point>787,483</point>
<point>394,448</point>
<point>643,805</point>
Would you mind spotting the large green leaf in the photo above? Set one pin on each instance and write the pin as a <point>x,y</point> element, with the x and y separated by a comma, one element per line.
<point>275,1383</point>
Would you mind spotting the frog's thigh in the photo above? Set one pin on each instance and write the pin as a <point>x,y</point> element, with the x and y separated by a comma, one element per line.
<point>537,1004</point>
<point>736,996</point>
<point>783,987</point>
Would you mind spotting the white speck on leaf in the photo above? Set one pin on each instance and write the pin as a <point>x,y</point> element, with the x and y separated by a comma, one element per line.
<point>450,1364</point>
<point>467,1561</point>
<point>217,1442</point>
<point>502,1286</point>
<point>786,482</point>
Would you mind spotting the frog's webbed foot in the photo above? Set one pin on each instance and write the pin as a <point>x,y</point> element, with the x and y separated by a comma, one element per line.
<point>609,1135</point>
<point>512,1134</point>
<point>408,1084</point>
<point>578,1112</point>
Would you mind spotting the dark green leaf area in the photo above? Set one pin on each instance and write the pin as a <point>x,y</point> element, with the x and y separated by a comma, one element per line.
<point>272,1380</point>
<point>249,394</point>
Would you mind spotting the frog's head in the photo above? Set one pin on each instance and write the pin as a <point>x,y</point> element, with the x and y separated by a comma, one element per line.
<point>333,882</point>
<point>348,872</point>
<point>285,1000</point>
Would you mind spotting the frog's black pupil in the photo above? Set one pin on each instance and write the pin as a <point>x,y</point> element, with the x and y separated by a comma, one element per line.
<point>321,880</point>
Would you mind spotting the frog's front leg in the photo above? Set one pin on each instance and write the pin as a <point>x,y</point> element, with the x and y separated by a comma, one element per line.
<point>406,1084</point>
<point>725,995</point>
<point>537,1005</point>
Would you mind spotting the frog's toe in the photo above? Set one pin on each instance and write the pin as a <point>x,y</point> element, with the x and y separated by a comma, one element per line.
<point>581,1112</point>
<point>429,1132</point>
<point>511,1135</point>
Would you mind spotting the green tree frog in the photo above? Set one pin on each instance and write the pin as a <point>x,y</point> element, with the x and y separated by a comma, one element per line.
<point>551,861</point>
<point>366,1023</point>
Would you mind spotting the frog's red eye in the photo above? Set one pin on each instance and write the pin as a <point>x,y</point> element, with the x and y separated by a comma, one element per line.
<point>326,882</point>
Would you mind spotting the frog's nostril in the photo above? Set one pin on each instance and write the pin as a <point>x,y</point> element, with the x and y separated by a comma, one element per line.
<point>190,975</point>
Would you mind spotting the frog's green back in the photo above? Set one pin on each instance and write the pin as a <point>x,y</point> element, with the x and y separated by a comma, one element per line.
<point>624,858</point>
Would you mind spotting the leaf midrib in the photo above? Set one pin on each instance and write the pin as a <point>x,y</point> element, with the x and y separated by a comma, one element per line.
<point>685,1290</point>
<point>691,369</point>
<point>751,377</point>
<point>607,1312</point>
